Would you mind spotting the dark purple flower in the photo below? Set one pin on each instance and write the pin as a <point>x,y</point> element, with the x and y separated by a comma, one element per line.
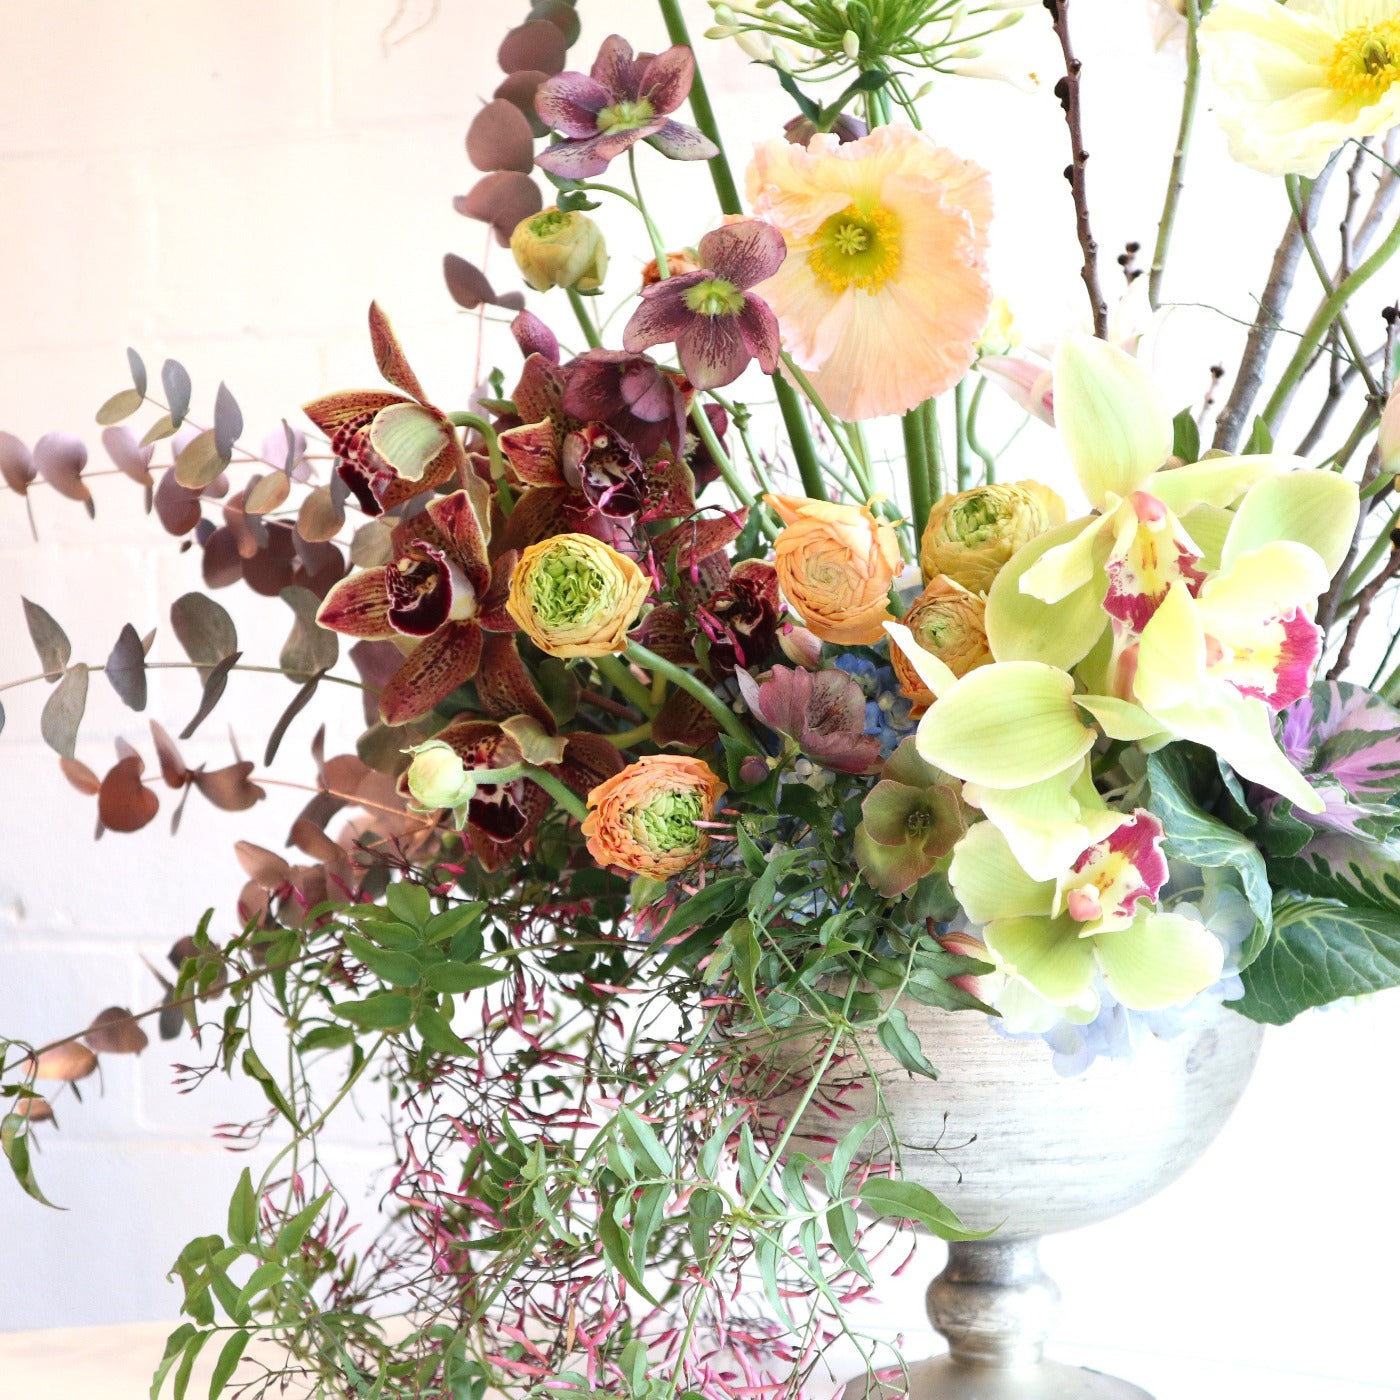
<point>822,712</point>
<point>622,100</point>
<point>629,392</point>
<point>717,325</point>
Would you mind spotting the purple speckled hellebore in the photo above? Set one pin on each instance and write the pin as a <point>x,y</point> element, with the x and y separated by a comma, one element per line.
<point>716,324</point>
<point>623,99</point>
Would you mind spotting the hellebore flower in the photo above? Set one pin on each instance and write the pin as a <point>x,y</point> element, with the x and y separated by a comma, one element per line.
<point>573,595</point>
<point>717,325</point>
<point>835,565</point>
<point>440,590</point>
<point>1099,918</point>
<point>972,534</point>
<point>822,712</point>
<point>911,819</point>
<point>884,292</point>
<point>559,248</point>
<point>948,621</point>
<point>649,817</point>
<point>1296,81</point>
<point>388,447</point>
<point>622,100</point>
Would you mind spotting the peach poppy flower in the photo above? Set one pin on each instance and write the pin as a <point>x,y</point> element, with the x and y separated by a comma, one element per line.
<point>884,291</point>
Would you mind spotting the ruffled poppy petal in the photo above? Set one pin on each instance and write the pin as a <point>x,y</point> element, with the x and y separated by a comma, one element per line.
<point>431,672</point>
<point>744,253</point>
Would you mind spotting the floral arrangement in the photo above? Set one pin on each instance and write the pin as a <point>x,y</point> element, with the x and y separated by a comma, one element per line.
<point>677,750</point>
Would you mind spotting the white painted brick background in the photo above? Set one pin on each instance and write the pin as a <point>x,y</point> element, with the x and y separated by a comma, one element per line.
<point>230,183</point>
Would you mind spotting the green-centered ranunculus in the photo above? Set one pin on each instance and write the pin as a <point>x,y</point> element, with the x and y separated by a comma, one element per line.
<point>576,596</point>
<point>650,818</point>
<point>970,535</point>
<point>558,248</point>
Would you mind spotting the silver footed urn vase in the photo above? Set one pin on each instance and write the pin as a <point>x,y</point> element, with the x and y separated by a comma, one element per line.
<point>1044,1153</point>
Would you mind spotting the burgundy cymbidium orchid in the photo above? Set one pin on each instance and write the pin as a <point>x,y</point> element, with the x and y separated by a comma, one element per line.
<point>439,590</point>
<point>388,447</point>
<point>622,99</point>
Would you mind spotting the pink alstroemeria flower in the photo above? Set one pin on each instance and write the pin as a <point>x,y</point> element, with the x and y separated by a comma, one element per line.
<point>621,100</point>
<point>717,325</point>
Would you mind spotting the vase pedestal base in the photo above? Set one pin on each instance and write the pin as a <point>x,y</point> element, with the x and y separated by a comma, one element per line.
<point>946,1379</point>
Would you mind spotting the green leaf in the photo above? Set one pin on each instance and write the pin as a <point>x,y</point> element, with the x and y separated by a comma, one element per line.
<point>228,421</point>
<point>63,711</point>
<point>409,903</point>
<point>705,1211</point>
<point>14,1141</point>
<point>182,1374</point>
<point>648,1211</point>
<point>261,1279</point>
<point>199,463</point>
<point>453,921</point>
<point>254,1068</point>
<point>438,1034</point>
<point>841,1226</point>
<point>138,370</point>
<point>310,649</point>
<point>176,380</point>
<point>641,1137</point>
<point>613,1238</point>
<point>229,1357</point>
<point>380,1011</point>
<point>1200,839</point>
<point>175,1345</point>
<point>453,977</point>
<point>907,1200</point>
<point>279,730</point>
<point>1186,437</point>
<point>243,1210</point>
<point>291,1235</point>
<point>204,629</point>
<point>1261,440</point>
<point>903,1044</point>
<point>119,407</point>
<point>1319,953</point>
<point>398,969</point>
<point>1337,866</point>
<point>50,640</point>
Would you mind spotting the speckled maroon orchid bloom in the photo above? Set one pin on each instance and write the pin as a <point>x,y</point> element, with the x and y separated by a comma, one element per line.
<point>440,590</point>
<point>717,324</point>
<point>622,99</point>
<point>388,447</point>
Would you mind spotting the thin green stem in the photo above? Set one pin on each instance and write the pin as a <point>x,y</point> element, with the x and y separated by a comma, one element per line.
<point>615,671</point>
<point>804,450</point>
<point>493,442</point>
<point>1177,180</point>
<point>974,441</point>
<point>191,666</point>
<point>658,247</point>
<point>628,737</point>
<point>693,686</point>
<point>916,468</point>
<point>1321,323</point>
<point>933,452</point>
<point>726,469</point>
<point>720,173</point>
<point>584,318</point>
<point>964,457</point>
<point>833,426</point>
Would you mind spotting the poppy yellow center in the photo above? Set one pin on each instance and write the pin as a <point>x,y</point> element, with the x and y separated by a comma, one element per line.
<point>856,249</point>
<point>1366,61</point>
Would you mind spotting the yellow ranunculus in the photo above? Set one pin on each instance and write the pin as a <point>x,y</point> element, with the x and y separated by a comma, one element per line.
<point>835,566</point>
<point>576,596</point>
<point>555,248</point>
<point>970,535</point>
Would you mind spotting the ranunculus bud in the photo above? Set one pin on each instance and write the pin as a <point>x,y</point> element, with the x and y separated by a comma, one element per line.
<point>1389,439</point>
<point>970,535</point>
<point>835,566</point>
<point>950,622</point>
<point>677,264</point>
<point>438,778</point>
<point>576,596</point>
<point>647,818</point>
<point>555,248</point>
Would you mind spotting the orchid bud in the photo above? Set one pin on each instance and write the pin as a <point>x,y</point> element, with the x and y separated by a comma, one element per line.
<point>555,248</point>
<point>850,44</point>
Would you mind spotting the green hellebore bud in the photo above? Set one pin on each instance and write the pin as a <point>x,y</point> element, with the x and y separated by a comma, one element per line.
<point>558,248</point>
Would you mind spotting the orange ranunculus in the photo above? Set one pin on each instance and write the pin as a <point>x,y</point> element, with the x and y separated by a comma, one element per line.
<point>646,818</point>
<point>835,566</point>
<point>948,621</point>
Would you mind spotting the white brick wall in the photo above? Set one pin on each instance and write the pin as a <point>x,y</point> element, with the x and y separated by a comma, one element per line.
<point>230,183</point>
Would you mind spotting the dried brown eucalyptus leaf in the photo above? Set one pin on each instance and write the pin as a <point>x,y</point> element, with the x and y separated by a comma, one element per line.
<point>115,1031</point>
<point>124,802</point>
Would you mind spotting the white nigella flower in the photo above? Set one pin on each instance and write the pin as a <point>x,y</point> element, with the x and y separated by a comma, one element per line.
<point>1295,80</point>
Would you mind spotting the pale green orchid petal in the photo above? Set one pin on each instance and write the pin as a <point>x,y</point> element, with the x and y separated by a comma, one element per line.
<point>1159,960</point>
<point>1120,719</point>
<point>1022,627</point>
<point>1315,508</point>
<point>1024,1011</point>
<point>409,437</point>
<point>990,883</point>
<point>1275,578</point>
<point>1171,664</point>
<point>1046,824</point>
<point>1047,953</point>
<point>1209,526</point>
<point>1066,568</point>
<point>932,670</point>
<point>1005,725</point>
<point>1217,481</point>
<point>1111,416</point>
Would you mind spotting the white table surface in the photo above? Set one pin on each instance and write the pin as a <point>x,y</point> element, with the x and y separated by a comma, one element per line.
<point>115,1363</point>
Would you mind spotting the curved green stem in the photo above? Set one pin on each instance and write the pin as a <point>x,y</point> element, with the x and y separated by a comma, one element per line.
<point>833,426</point>
<point>974,441</point>
<point>658,247</point>
<point>1322,322</point>
<point>804,451</point>
<point>1183,145</point>
<point>617,674</point>
<point>696,688</point>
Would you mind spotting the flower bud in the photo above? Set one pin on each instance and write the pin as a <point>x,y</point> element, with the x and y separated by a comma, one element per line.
<point>555,248</point>
<point>438,778</point>
<point>850,44</point>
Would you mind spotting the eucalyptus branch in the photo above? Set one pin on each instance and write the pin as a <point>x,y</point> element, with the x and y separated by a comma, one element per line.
<point>1067,90</point>
<point>1364,602</point>
<point>1177,180</point>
